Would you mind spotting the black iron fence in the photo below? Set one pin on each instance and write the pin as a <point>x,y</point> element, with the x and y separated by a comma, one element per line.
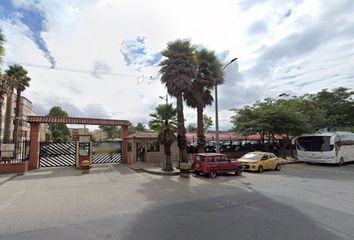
<point>11,153</point>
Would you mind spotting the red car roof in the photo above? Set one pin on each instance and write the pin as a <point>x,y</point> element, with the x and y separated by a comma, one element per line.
<point>210,154</point>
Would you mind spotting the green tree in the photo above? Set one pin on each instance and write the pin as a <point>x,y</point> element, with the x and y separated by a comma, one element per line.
<point>177,69</point>
<point>192,128</point>
<point>111,131</point>
<point>338,105</point>
<point>164,123</point>
<point>271,117</point>
<point>19,80</point>
<point>58,132</point>
<point>209,73</point>
<point>207,122</point>
<point>2,49</point>
<point>140,127</point>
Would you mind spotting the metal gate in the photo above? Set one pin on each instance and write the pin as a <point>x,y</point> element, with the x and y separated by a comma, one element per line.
<point>106,152</point>
<point>57,154</point>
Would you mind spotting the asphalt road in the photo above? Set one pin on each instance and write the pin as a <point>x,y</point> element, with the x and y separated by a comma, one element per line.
<point>300,202</point>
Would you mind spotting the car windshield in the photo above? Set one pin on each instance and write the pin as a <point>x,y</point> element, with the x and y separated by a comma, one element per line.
<point>252,156</point>
<point>314,143</point>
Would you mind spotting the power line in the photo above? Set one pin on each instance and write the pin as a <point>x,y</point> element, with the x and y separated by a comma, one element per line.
<point>76,70</point>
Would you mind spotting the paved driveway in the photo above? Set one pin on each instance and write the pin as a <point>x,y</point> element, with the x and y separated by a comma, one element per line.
<point>113,202</point>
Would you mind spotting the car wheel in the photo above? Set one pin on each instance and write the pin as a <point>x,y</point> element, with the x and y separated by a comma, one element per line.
<point>278,167</point>
<point>341,162</point>
<point>238,171</point>
<point>260,169</point>
<point>212,174</point>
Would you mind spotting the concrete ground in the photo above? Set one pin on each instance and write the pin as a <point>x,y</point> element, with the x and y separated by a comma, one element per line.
<point>113,202</point>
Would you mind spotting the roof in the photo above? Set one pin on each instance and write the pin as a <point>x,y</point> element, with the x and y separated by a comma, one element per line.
<point>260,152</point>
<point>211,154</point>
<point>142,135</point>
<point>228,136</point>
<point>76,120</point>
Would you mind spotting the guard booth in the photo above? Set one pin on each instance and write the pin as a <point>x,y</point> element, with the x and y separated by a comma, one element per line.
<point>84,150</point>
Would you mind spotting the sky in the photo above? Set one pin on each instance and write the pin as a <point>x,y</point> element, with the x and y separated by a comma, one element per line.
<point>293,47</point>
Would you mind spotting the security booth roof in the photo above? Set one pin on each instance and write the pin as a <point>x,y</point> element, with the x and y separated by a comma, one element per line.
<point>142,136</point>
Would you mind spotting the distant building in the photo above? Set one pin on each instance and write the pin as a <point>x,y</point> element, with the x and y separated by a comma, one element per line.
<point>24,128</point>
<point>75,132</point>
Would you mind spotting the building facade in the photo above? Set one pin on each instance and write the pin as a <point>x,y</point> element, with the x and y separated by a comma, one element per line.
<point>26,109</point>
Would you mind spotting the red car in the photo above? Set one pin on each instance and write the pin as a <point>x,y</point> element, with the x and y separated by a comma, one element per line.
<point>214,163</point>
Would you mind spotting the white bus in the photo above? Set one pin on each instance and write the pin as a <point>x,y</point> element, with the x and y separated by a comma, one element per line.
<point>328,147</point>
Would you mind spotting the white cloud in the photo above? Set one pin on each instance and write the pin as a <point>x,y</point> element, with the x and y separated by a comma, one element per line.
<point>282,46</point>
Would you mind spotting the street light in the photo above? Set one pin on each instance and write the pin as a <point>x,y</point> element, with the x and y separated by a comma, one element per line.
<point>217,111</point>
<point>164,98</point>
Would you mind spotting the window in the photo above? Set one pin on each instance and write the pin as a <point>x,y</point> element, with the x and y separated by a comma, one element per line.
<point>217,159</point>
<point>130,146</point>
<point>314,143</point>
<point>265,157</point>
<point>153,146</point>
<point>199,158</point>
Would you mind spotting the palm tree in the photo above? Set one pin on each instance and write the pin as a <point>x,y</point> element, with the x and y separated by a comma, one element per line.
<point>20,81</point>
<point>209,74</point>
<point>4,90</point>
<point>164,122</point>
<point>177,71</point>
<point>2,49</point>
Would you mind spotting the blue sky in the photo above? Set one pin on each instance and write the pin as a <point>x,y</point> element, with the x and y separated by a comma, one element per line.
<point>33,18</point>
<point>292,47</point>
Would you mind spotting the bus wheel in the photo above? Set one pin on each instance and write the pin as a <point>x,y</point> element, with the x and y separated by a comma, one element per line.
<point>341,162</point>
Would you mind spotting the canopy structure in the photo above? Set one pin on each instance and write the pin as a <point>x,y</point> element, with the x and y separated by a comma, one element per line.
<point>76,120</point>
<point>36,121</point>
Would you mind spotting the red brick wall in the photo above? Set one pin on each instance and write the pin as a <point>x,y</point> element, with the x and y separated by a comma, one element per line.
<point>13,168</point>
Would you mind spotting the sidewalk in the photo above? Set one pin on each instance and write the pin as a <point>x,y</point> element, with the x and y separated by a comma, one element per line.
<point>152,168</point>
<point>290,160</point>
<point>6,177</point>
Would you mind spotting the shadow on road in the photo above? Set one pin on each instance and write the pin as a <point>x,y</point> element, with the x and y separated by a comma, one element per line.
<point>236,214</point>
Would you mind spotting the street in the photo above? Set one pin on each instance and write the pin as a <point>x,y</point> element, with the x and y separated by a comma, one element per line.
<point>112,202</point>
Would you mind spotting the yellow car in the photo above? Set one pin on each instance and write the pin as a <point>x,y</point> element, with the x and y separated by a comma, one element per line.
<point>259,161</point>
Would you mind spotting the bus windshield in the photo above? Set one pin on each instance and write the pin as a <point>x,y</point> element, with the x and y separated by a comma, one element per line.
<point>314,143</point>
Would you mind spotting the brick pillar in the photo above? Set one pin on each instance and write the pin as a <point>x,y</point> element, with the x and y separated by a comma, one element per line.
<point>34,146</point>
<point>123,133</point>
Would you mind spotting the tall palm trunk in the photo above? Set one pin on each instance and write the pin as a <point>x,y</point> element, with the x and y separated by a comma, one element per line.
<point>17,114</point>
<point>1,105</point>
<point>181,130</point>
<point>7,127</point>
<point>200,130</point>
<point>168,163</point>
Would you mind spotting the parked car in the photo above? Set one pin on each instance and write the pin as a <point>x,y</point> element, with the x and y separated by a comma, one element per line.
<point>214,163</point>
<point>259,161</point>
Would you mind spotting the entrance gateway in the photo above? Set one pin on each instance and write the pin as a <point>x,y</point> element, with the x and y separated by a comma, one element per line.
<point>65,153</point>
<point>60,154</point>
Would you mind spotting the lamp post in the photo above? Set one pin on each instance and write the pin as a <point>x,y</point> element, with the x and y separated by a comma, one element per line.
<point>164,98</point>
<point>217,111</point>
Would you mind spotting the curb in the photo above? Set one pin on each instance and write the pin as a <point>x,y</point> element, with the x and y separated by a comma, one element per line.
<point>292,162</point>
<point>8,179</point>
<point>154,172</point>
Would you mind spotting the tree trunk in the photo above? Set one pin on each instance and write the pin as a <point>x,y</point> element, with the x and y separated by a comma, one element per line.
<point>1,104</point>
<point>181,131</point>
<point>17,115</point>
<point>201,136</point>
<point>7,127</point>
<point>168,163</point>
